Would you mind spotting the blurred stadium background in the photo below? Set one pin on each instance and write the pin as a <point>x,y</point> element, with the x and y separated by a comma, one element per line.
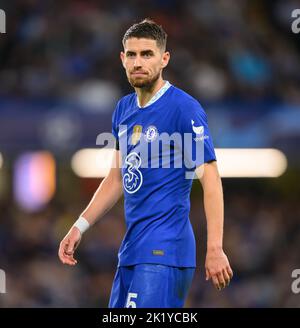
<point>60,77</point>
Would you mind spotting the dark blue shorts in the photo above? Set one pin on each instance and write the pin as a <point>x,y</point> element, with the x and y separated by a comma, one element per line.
<point>150,286</point>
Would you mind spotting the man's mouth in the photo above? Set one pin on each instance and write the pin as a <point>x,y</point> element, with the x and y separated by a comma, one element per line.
<point>138,73</point>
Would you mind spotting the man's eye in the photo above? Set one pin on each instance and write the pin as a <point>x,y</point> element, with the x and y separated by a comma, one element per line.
<point>147,55</point>
<point>130,55</point>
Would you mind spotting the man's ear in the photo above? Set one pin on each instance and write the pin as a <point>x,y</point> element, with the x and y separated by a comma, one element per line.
<point>165,59</point>
<point>122,56</point>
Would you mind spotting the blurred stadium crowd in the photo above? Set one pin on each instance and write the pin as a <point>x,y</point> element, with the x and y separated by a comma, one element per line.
<point>222,51</point>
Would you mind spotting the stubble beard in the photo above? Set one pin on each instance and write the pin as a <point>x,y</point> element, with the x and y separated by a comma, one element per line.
<point>144,83</point>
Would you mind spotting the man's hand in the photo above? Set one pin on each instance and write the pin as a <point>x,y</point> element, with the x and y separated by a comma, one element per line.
<point>68,245</point>
<point>218,268</point>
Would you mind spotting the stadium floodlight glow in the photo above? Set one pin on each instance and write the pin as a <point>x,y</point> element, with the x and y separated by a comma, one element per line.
<point>232,162</point>
<point>34,180</point>
<point>92,163</point>
<point>251,162</point>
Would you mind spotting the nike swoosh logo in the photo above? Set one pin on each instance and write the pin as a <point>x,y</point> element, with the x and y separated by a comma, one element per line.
<point>122,132</point>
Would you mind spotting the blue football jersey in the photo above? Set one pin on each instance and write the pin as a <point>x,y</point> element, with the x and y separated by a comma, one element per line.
<point>161,145</point>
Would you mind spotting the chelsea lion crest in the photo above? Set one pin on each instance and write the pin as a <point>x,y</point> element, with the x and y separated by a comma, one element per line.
<point>151,133</point>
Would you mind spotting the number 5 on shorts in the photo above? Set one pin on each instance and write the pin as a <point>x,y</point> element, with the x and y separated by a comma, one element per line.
<point>130,303</point>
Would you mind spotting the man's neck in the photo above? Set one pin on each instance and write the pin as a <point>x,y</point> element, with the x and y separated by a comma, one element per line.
<point>145,94</point>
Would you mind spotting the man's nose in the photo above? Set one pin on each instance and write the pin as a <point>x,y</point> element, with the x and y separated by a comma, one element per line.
<point>137,62</point>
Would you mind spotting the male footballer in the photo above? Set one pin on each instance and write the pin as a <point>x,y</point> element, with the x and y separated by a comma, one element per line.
<point>157,257</point>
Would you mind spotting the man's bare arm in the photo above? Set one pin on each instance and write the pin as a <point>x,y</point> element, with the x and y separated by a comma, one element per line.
<point>107,194</point>
<point>217,265</point>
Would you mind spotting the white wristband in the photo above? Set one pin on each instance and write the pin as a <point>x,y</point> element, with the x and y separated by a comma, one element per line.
<point>82,224</point>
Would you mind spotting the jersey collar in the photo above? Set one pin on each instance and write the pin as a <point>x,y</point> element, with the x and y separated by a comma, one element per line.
<point>158,94</point>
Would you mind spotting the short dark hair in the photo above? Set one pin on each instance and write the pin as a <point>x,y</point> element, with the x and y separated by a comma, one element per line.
<point>147,29</point>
